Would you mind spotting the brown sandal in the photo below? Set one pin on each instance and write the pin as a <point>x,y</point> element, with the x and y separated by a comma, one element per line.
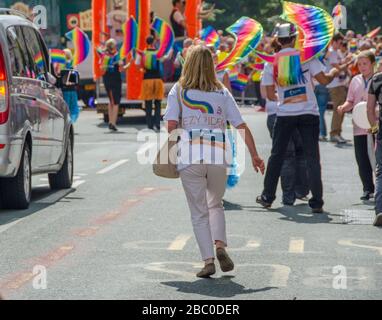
<point>226,264</point>
<point>207,271</point>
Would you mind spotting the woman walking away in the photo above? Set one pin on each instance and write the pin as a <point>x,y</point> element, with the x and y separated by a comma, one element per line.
<point>204,105</point>
<point>112,65</point>
<point>358,92</point>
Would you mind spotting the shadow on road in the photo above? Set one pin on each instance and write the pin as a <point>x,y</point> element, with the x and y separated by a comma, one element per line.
<point>302,213</point>
<point>223,287</point>
<point>42,197</point>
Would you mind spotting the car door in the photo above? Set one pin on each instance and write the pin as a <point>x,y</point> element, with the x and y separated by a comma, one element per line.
<point>25,110</point>
<point>58,107</point>
<point>40,90</point>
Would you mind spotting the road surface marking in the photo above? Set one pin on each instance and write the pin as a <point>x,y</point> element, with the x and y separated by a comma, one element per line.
<point>254,244</point>
<point>179,243</point>
<point>5,227</point>
<point>113,166</point>
<point>296,245</point>
<point>77,183</point>
<point>345,242</point>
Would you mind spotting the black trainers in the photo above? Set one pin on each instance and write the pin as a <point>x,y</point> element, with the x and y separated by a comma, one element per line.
<point>378,220</point>
<point>113,128</point>
<point>317,210</point>
<point>367,196</point>
<point>263,202</point>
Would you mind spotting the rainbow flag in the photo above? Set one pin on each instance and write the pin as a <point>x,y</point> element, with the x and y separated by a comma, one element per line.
<point>81,45</point>
<point>287,70</point>
<point>240,83</point>
<point>315,25</point>
<point>248,33</point>
<point>57,56</point>
<point>166,36</point>
<point>38,60</point>
<point>372,34</point>
<point>130,37</point>
<point>210,37</point>
<point>266,57</point>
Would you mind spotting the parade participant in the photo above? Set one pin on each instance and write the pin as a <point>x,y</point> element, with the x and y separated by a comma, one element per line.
<point>337,89</point>
<point>358,92</point>
<point>112,65</point>
<point>294,180</point>
<point>69,81</point>
<point>375,96</point>
<point>297,109</point>
<point>322,96</point>
<point>177,19</point>
<point>153,86</point>
<point>204,106</point>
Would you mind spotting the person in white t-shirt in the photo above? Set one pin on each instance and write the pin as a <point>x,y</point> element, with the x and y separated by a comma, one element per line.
<point>206,106</point>
<point>297,109</point>
<point>337,88</point>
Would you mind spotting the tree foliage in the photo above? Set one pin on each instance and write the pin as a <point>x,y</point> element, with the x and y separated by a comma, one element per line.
<point>362,15</point>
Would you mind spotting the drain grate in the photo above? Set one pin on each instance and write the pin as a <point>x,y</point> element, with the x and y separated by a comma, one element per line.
<point>363,217</point>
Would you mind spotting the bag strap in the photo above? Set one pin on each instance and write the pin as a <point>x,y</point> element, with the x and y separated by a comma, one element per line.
<point>178,89</point>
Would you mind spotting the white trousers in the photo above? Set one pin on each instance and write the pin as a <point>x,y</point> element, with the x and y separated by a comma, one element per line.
<point>205,186</point>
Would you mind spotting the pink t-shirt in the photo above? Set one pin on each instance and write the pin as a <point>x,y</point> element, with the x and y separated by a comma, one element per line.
<point>358,92</point>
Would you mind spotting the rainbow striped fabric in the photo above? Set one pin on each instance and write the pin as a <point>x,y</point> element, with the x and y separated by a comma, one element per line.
<point>287,69</point>
<point>210,36</point>
<point>248,33</point>
<point>315,25</point>
<point>166,37</point>
<point>38,60</point>
<point>130,37</point>
<point>81,45</point>
<point>240,82</point>
<point>57,56</point>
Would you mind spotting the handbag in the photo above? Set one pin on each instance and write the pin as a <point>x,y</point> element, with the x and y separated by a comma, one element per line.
<point>165,164</point>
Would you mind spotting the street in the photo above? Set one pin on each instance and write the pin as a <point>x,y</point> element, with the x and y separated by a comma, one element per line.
<point>123,233</point>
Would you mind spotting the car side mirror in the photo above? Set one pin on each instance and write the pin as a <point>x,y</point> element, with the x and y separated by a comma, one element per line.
<point>51,78</point>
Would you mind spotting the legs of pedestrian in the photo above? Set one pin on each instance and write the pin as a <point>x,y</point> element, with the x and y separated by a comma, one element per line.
<point>282,133</point>
<point>288,175</point>
<point>157,113</point>
<point>338,96</point>
<point>308,126</point>
<point>378,185</point>
<point>322,95</point>
<point>149,111</point>
<point>364,166</point>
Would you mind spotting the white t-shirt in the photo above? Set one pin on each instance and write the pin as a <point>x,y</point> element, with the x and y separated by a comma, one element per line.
<point>204,119</point>
<point>333,59</point>
<point>298,99</point>
<point>270,106</point>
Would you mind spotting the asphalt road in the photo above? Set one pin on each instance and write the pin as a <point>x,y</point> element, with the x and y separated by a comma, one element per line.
<point>122,233</point>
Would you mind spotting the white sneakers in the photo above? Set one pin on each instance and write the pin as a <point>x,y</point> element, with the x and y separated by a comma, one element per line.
<point>337,139</point>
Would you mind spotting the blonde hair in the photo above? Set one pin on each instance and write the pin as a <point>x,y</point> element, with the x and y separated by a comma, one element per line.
<point>68,54</point>
<point>199,70</point>
<point>111,44</point>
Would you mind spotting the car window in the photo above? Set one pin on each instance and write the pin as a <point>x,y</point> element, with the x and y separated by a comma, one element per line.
<point>29,66</point>
<point>18,54</point>
<point>36,54</point>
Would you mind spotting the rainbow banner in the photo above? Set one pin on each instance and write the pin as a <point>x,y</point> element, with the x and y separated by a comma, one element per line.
<point>166,36</point>
<point>210,37</point>
<point>266,57</point>
<point>240,83</point>
<point>315,25</point>
<point>57,56</point>
<point>247,33</point>
<point>287,70</point>
<point>130,37</point>
<point>81,45</point>
<point>372,34</point>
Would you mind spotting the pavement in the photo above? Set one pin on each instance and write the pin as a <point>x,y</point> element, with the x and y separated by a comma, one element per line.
<point>123,233</point>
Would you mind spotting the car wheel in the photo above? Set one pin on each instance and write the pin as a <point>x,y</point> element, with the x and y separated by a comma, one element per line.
<point>63,179</point>
<point>16,192</point>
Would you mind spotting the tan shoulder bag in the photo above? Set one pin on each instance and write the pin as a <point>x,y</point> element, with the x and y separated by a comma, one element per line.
<point>165,164</point>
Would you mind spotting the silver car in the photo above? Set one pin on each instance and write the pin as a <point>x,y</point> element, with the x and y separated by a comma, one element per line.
<point>36,134</point>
